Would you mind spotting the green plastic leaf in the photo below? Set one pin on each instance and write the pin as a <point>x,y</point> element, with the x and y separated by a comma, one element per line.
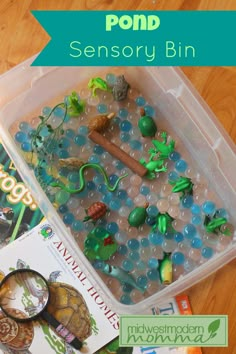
<point>213,326</point>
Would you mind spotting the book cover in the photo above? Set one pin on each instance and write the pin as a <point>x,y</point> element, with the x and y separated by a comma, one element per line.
<point>18,210</point>
<point>178,305</point>
<point>73,300</point>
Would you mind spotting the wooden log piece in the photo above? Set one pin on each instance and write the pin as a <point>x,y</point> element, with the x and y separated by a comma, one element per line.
<point>118,153</point>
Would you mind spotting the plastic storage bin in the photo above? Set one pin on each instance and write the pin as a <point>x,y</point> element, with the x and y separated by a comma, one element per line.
<point>24,90</point>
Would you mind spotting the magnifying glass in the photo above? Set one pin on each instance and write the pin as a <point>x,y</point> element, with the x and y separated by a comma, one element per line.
<point>27,291</point>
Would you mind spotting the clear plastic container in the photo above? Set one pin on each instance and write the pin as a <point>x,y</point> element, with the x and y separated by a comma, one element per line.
<point>24,90</point>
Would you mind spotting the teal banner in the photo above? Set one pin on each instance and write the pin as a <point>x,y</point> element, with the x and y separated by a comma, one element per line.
<point>138,38</point>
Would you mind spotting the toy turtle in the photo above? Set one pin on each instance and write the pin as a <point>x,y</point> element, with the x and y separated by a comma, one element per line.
<point>16,336</point>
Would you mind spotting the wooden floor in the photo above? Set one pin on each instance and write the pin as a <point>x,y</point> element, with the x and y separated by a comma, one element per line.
<point>21,36</point>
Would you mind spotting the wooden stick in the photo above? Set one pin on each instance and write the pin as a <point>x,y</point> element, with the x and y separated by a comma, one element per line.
<point>118,153</point>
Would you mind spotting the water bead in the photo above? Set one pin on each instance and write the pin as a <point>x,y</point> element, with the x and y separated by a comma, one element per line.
<point>80,140</point>
<point>150,220</point>
<point>25,146</point>
<point>195,254</point>
<point>145,253</point>
<point>141,264</point>
<point>97,149</point>
<point>122,249</point>
<point>142,281</point>
<point>63,209</point>
<point>68,218</point>
<point>135,144</point>
<point>127,288</point>
<point>124,137</point>
<point>133,244</point>
<point>118,165</point>
<point>195,209</point>
<point>187,201</point>
<point>173,176</point>
<point>221,213</point>
<point>83,129</point>
<point>144,190</point>
<point>121,237</point>
<point>196,242</point>
<point>163,205</point>
<point>135,180</point>
<point>111,79</point>
<point>134,256</point>
<point>25,127</point>
<point>77,225</point>
<point>166,190</point>
<point>181,166</point>
<point>70,134</point>
<point>136,296</point>
<point>97,179</point>
<point>174,199</point>
<point>189,265</point>
<point>152,210</point>
<point>125,126</point>
<point>178,258</point>
<point>208,207</point>
<point>73,203</point>
<point>178,236</point>
<point>144,242</point>
<point>63,154</point>
<point>129,202</point>
<point>174,156</point>
<point>207,252</point>
<point>168,245</point>
<point>196,220</point>
<point>127,265</point>
<point>152,198</point>
<point>97,264</point>
<point>153,263</point>
<point>185,215</point>
<point>73,177</point>
<point>102,108</point>
<point>189,231</point>
<point>123,113</point>
<point>112,227</point>
<point>155,238</point>
<point>20,137</point>
<point>62,197</point>
<point>173,211</point>
<point>157,252</point>
<point>133,192</point>
<point>140,101</point>
<point>153,274</point>
<point>126,300</point>
<point>115,204</point>
<point>46,110</point>
<point>149,111</point>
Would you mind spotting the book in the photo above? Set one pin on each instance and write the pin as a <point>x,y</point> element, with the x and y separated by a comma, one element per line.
<point>18,209</point>
<point>73,298</point>
<point>178,305</point>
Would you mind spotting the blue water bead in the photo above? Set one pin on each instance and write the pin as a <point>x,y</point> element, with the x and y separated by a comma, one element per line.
<point>152,210</point>
<point>106,198</point>
<point>102,108</point>
<point>125,126</point>
<point>112,227</point>
<point>169,235</point>
<point>153,263</point>
<point>111,79</point>
<point>21,137</point>
<point>127,288</point>
<point>128,265</point>
<point>59,112</point>
<point>129,202</point>
<point>113,178</point>
<point>142,281</point>
<point>63,154</point>
<point>208,207</point>
<point>97,264</point>
<point>149,111</point>
<point>77,225</point>
<point>98,178</point>
<point>115,204</point>
<point>98,150</point>
<point>187,201</point>
<point>118,165</point>
<point>181,166</point>
<point>94,159</point>
<point>173,176</point>
<point>46,110</point>
<point>101,188</point>
<point>144,190</point>
<point>155,238</point>
<point>196,220</point>
<point>70,134</point>
<point>140,101</point>
<point>207,252</point>
<point>68,218</point>
<point>73,177</point>
<point>134,256</point>
<point>178,258</point>
<point>124,137</point>
<point>122,249</point>
<point>126,300</point>
<point>83,129</point>
<point>195,209</point>
<point>25,127</point>
<point>150,220</point>
<point>91,186</point>
<point>196,242</point>
<point>123,113</point>
<point>116,120</point>
<point>122,194</point>
<point>144,242</point>
<point>133,244</point>
<point>141,265</point>
<point>189,231</point>
<point>80,140</point>
<point>221,213</point>
<point>63,208</point>
<point>178,236</point>
<point>153,274</point>
<point>64,143</point>
<point>135,144</point>
<point>26,146</point>
<point>174,156</point>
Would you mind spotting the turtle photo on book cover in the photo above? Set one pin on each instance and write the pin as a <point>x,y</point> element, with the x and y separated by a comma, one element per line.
<point>18,210</point>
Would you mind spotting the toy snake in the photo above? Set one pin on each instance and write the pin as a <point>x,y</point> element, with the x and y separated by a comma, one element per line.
<point>82,179</point>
